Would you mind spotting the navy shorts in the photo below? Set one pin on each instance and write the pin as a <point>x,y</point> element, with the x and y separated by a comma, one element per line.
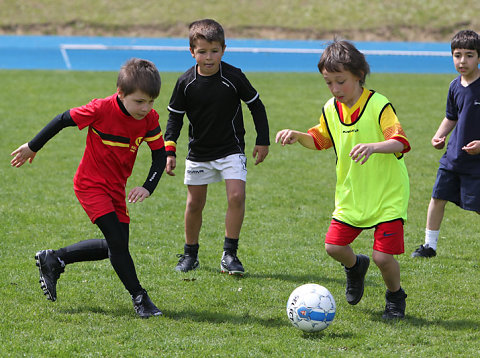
<point>461,189</point>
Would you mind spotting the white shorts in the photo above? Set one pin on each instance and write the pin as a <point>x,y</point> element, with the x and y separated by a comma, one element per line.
<point>231,167</point>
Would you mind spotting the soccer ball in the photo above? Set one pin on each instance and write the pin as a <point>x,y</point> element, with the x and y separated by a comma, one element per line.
<point>311,307</point>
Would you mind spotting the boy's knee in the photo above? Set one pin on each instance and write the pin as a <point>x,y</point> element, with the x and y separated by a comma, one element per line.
<point>332,250</point>
<point>194,206</point>
<point>236,198</point>
<point>381,259</point>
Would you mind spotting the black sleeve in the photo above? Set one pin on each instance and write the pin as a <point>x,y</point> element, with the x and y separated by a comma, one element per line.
<point>56,125</point>
<point>259,115</point>
<point>172,131</point>
<point>159,161</point>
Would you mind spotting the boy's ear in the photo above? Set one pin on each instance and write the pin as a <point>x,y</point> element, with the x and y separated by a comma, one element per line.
<point>361,78</point>
<point>120,94</point>
<point>192,51</point>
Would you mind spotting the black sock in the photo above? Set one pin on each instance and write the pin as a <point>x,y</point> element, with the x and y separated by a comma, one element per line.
<point>191,250</point>
<point>230,245</point>
<point>399,293</point>
<point>87,250</point>
<point>117,236</point>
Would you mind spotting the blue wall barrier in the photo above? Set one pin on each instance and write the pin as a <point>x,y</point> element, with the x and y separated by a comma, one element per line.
<point>172,55</point>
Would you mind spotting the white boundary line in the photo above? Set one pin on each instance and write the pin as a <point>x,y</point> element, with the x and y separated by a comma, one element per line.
<point>100,47</point>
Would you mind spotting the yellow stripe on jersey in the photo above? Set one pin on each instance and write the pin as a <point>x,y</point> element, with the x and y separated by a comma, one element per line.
<point>115,144</point>
<point>151,139</point>
<point>109,142</point>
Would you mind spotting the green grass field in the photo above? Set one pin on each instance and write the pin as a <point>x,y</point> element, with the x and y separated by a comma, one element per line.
<point>289,205</point>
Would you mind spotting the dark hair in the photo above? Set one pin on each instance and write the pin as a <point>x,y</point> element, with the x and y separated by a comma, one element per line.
<point>343,55</point>
<point>206,29</point>
<point>466,39</point>
<point>137,74</point>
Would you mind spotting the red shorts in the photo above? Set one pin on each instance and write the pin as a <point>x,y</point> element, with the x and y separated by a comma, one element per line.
<point>97,201</point>
<point>388,236</point>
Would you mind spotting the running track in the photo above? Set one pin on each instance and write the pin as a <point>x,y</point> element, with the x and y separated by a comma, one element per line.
<point>172,55</point>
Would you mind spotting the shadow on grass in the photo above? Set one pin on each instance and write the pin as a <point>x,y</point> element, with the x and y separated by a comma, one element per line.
<point>326,334</point>
<point>114,312</point>
<point>415,321</point>
<point>196,315</point>
<point>199,315</point>
<point>300,279</point>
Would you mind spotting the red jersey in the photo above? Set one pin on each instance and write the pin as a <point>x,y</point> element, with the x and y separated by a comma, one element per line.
<point>112,142</point>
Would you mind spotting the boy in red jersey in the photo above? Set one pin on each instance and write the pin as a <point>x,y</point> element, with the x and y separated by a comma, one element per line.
<point>372,186</point>
<point>117,125</point>
<point>458,176</point>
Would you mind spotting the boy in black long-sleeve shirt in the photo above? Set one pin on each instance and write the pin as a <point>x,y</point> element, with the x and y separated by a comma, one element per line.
<point>210,94</point>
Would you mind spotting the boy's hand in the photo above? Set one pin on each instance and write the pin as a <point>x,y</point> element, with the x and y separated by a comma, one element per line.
<point>286,136</point>
<point>139,194</point>
<point>362,151</point>
<point>261,152</point>
<point>22,154</point>
<point>473,147</point>
<point>171,165</point>
<point>438,143</point>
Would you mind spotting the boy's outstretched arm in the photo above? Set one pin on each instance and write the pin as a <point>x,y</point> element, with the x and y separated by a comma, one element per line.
<point>28,150</point>
<point>289,136</point>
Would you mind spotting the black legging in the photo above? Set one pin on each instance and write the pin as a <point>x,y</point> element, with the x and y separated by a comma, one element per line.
<point>115,247</point>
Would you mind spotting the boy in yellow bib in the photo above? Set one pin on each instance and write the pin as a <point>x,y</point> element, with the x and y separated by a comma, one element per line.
<point>372,186</point>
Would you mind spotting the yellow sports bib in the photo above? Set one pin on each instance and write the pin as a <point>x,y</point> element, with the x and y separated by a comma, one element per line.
<point>376,191</point>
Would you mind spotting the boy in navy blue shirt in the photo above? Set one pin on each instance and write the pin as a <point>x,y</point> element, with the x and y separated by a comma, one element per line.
<point>458,177</point>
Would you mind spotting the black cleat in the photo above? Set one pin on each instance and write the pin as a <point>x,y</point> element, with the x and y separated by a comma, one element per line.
<point>50,267</point>
<point>144,306</point>
<point>424,251</point>
<point>186,263</point>
<point>356,279</point>
<point>231,264</point>
<point>394,304</point>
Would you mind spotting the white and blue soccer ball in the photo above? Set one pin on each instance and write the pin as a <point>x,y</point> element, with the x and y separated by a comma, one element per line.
<point>311,307</point>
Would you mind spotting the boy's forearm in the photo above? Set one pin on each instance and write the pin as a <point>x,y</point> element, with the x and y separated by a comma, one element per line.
<point>259,115</point>
<point>50,130</point>
<point>306,140</point>
<point>445,128</point>
<point>389,146</point>
<point>159,161</point>
<point>172,131</point>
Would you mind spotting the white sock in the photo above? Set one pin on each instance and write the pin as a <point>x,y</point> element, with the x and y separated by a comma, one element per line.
<point>431,238</point>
